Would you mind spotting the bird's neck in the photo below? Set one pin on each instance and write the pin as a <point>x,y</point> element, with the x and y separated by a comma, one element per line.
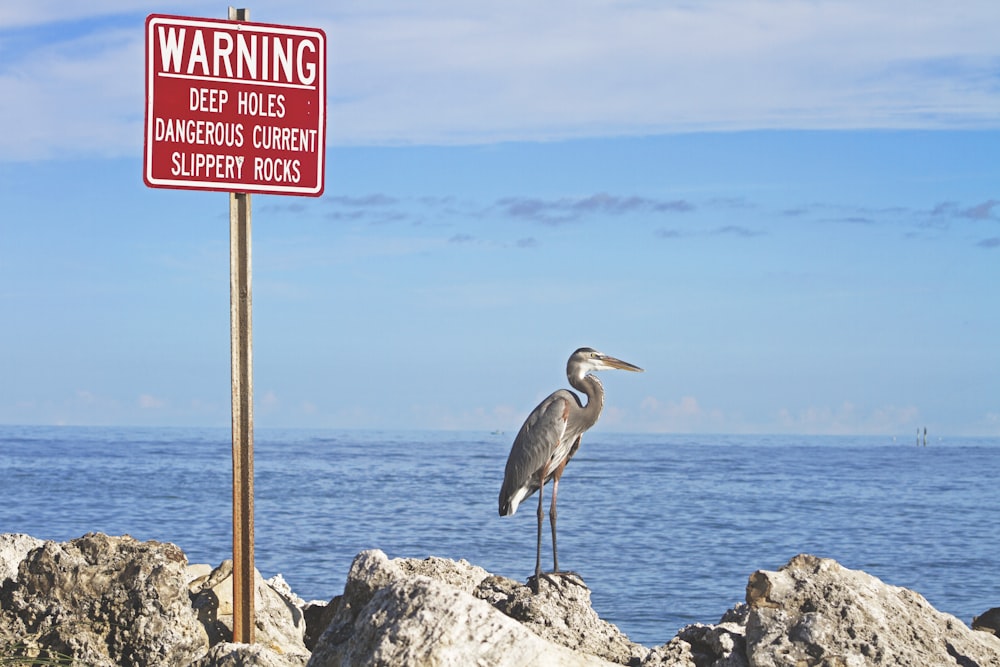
<point>594,390</point>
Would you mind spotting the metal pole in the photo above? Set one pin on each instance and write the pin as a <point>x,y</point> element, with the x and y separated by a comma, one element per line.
<point>241,344</point>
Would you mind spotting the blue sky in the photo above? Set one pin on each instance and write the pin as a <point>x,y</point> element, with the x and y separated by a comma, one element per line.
<point>787,212</point>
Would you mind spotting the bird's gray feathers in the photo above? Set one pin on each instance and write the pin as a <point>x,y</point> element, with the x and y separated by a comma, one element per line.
<point>542,433</point>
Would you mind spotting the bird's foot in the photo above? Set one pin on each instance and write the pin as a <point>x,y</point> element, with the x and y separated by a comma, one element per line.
<point>556,578</point>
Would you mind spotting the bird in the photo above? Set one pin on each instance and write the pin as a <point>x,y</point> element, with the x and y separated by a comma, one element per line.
<point>550,437</point>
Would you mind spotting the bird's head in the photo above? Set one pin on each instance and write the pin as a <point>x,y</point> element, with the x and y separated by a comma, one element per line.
<point>587,359</point>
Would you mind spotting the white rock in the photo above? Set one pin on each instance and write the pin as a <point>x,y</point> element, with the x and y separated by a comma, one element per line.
<point>13,548</point>
<point>814,611</point>
<point>421,621</point>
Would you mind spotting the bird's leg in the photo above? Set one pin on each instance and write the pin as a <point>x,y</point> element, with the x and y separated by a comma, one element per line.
<point>553,514</point>
<point>541,516</point>
<point>556,573</point>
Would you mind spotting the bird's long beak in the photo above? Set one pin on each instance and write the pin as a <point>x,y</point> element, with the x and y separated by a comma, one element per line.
<point>611,362</point>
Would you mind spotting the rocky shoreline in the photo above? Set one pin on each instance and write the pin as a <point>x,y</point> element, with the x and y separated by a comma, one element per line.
<point>103,600</point>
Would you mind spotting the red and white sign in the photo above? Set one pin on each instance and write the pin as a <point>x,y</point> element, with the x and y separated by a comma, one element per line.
<point>234,106</point>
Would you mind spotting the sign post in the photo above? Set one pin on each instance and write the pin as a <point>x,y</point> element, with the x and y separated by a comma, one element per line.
<point>239,107</point>
<point>241,346</point>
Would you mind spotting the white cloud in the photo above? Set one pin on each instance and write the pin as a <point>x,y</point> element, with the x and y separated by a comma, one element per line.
<point>44,12</point>
<point>451,72</point>
<point>542,71</point>
<point>683,416</point>
<point>82,96</point>
<point>688,415</point>
<point>849,419</point>
<point>150,402</point>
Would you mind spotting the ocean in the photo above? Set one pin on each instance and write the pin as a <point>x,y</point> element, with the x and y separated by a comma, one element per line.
<point>664,529</point>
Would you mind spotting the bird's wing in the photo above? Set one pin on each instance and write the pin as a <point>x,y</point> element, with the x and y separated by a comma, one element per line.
<point>533,446</point>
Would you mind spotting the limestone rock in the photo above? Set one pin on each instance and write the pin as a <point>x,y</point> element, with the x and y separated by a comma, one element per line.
<point>421,621</point>
<point>197,573</point>
<point>813,611</point>
<point>280,623</point>
<point>698,645</point>
<point>14,547</point>
<point>561,612</point>
<point>318,617</point>
<point>104,601</point>
<point>461,574</point>
<point>407,611</point>
<point>988,621</point>
<point>226,654</point>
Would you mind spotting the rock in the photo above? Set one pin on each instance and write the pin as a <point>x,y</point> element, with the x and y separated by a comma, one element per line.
<point>280,623</point>
<point>247,655</point>
<point>421,621</point>
<point>281,587</point>
<point>461,574</point>
<point>14,547</point>
<point>813,611</point>
<point>988,621</point>
<point>318,617</point>
<point>560,612</point>
<point>407,611</point>
<point>697,645</point>
<point>103,601</point>
<point>196,575</point>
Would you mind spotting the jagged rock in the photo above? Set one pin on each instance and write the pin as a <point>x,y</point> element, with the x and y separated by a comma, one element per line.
<point>421,621</point>
<point>988,621</point>
<point>813,611</point>
<point>560,612</point>
<point>14,547</point>
<point>226,654</point>
<point>318,616</point>
<point>197,573</point>
<point>103,601</point>
<point>392,613</point>
<point>280,623</point>
<point>461,573</point>
<point>697,645</point>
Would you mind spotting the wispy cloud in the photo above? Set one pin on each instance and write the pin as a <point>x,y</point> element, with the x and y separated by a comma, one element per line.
<point>912,221</point>
<point>150,402</point>
<point>284,206</point>
<point>376,208</point>
<point>73,95</point>
<point>849,418</point>
<point>726,230</point>
<point>381,208</point>
<point>853,220</point>
<point>988,210</point>
<point>536,72</point>
<point>567,210</point>
<point>736,230</point>
<point>364,201</point>
<point>460,73</point>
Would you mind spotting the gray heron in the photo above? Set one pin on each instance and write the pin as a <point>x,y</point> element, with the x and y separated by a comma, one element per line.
<point>551,436</point>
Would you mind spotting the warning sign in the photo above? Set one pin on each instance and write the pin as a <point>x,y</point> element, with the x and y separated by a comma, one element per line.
<point>234,106</point>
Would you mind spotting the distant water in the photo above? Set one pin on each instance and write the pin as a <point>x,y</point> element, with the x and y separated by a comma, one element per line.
<point>664,529</point>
